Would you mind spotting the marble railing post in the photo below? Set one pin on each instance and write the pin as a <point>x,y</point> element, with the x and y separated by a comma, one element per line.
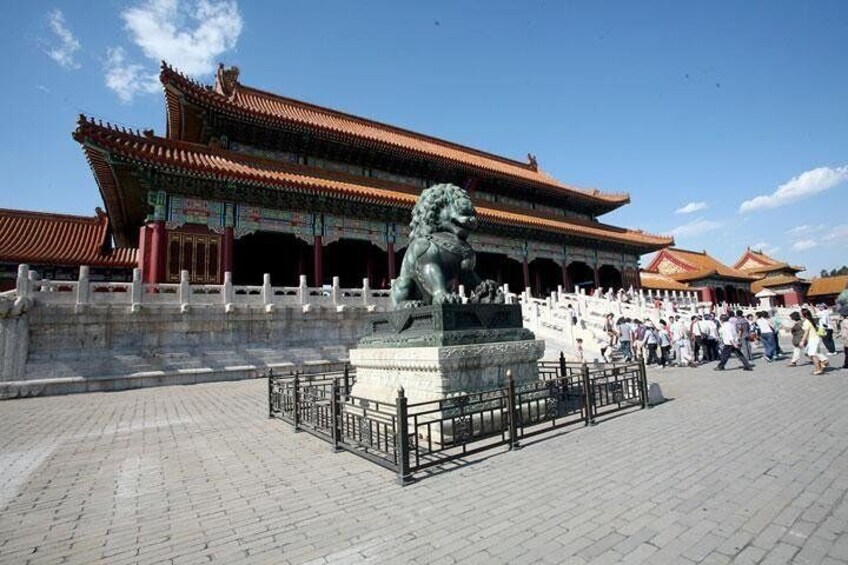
<point>137,291</point>
<point>303,291</point>
<point>227,291</point>
<point>334,291</point>
<point>366,291</point>
<point>22,286</point>
<point>267,293</point>
<point>83,288</point>
<point>185,291</point>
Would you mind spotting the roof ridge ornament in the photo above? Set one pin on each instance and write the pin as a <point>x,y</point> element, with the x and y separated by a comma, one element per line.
<point>226,80</point>
<point>531,160</point>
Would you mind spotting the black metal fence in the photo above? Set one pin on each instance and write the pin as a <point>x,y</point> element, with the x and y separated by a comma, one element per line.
<point>410,437</point>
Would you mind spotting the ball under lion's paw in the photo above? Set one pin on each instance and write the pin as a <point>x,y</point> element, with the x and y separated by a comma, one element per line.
<point>488,292</point>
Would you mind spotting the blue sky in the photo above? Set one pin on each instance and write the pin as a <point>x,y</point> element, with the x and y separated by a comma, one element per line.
<point>737,109</point>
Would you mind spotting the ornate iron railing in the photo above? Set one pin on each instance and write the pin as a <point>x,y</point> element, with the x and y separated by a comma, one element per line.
<point>409,438</point>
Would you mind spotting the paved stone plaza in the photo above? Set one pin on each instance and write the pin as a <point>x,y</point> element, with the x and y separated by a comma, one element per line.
<point>739,467</point>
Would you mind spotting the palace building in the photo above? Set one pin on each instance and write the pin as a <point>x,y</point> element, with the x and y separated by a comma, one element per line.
<point>251,182</point>
<point>776,276</point>
<point>57,245</point>
<point>702,272</point>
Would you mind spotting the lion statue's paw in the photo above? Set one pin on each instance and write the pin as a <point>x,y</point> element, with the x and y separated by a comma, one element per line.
<point>447,298</point>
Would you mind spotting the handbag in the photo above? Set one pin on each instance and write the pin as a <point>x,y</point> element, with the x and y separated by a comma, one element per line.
<point>821,331</point>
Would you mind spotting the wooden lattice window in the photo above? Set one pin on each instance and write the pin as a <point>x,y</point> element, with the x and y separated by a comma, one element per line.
<point>197,254</point>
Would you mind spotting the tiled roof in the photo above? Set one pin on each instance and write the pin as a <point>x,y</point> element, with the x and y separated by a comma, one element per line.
<point>237,99</point>
<point>777,280</point>
<point>658,281</point>
<point>828,285</point>
<point>39,238</point>
<point>696,265</point>
<point>758,262</point>
<point>225,165</point>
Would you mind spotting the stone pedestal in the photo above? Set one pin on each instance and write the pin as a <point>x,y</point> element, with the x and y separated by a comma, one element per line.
<point>436,373</point>
<point>435,352</point>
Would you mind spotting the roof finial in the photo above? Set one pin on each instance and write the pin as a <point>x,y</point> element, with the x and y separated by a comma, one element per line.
<point>531,159</point>
<point>226,79</point>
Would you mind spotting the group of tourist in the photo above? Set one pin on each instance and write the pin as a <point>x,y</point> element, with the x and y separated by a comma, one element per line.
<point>718,337</point>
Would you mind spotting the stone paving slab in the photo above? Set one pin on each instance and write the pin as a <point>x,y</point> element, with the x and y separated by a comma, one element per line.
<point>737,468</point>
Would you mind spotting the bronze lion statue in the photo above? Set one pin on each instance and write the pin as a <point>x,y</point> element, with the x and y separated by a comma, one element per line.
<point>439,258</point>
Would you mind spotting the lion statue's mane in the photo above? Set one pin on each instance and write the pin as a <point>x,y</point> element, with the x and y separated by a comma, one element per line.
<point>438,258</point>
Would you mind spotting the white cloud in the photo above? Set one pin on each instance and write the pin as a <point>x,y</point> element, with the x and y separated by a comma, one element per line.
<point>695,227</point>
<point>63,53</point>
<point>765,247</point>
<point>189,34</point>
<point>837,234</point>
<point>804,185</point>
<point>804,244</point>
<point>691,207</point>
<point>128,79</point>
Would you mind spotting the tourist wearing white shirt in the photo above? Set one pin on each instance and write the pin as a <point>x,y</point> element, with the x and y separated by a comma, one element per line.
<point>730,342</point>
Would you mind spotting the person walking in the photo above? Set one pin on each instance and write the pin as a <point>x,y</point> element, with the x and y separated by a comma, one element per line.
<point>767,336</point>
<point>625,336</point>
<point>665,344</point>
<point>730,345</point>
<point>826,323</point>
<point>797,335</point>
<point>679,338</point>
<point>744,329</point>
<point>697,337</point>
<point>843,335</point>
<point>811,342</point>
<point>710,332</point>
<point>651,342</point>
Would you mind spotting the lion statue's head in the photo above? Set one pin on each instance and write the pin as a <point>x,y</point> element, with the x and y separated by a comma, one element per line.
<point>443,208</point>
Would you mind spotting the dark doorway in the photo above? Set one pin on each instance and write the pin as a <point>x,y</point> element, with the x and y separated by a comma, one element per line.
<point>353,260</point>
<point>609,277</point>
<point>545,276</point>
<point>581,275</point>
<point>282,255</point>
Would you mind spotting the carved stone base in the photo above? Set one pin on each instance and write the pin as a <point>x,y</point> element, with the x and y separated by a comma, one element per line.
<point>435,373</point>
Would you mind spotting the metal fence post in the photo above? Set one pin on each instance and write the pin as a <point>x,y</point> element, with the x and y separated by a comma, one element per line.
<point>347,380</point>
<point>335,415</point>
<point>588,396</point>
<point>643,383</point>
<point>295,401</point>
<point>402,440</point>
<point>562,362</point>
<point>512,410</point>
<point>270,393</point>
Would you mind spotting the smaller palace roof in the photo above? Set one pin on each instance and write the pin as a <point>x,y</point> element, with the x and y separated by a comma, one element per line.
<point>39,238</point>
<point>658,281</point>
<point>757,262</point>
<point>233,99</point>
<point>684,265</point>
<point>776,280</point>
<point>826,286</point>
<point>211,162</point>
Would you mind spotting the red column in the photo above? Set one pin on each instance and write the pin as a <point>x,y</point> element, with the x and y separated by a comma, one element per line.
<point>566,279</point>
<point>142,258</point>
<point>597,277</point>
<point>318,249</point>
<point>707,295</point>
<point>227,245</point>
<point>157,254</point>
<point>390,255</point>
<point>526,268</point>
